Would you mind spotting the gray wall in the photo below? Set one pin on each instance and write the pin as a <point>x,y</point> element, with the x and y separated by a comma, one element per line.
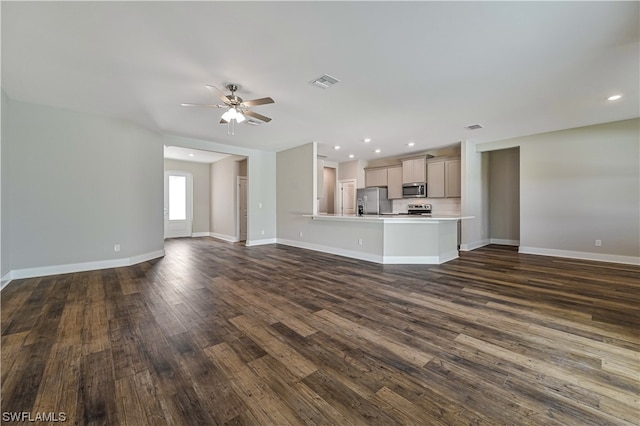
<point>296,190</point>
<point>4,128</point>
<point>201,191</point>
<point>77,184</point>
<point>504,196</point>
<point>577,186</point>
<point>224,198</point>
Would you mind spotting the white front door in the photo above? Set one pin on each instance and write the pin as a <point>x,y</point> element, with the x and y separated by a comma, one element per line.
<point>242,207</point>
<point>178,204</point>
<point>348,197</point>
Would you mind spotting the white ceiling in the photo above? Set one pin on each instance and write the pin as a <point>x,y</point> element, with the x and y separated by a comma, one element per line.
<point>409,71</point>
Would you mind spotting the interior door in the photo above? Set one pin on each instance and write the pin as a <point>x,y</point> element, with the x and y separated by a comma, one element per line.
<point>178,204</point>
<point>348,197</point>
<point>242,207</point>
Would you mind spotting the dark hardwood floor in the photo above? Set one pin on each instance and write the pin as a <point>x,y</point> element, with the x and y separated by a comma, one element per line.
<point>217,333</point>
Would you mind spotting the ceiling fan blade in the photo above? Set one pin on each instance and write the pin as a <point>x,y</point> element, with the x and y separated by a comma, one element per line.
<point>258,116</point>
<point>224,97</point>
<point>260,101</point>
<point>223,121</point>
<point>205,105</point>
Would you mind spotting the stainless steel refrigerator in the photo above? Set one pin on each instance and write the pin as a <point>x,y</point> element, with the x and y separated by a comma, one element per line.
<point>373,201</point>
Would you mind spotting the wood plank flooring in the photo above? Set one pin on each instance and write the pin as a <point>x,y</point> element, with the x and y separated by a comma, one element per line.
<point>217,333</point>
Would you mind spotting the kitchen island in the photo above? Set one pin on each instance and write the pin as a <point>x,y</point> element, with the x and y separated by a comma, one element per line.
<point>386,239</point>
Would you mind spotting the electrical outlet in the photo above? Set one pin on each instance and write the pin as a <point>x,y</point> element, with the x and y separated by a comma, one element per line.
<point>598,243</point>
<point>301,233</point>
<point>116,247</point>
<point>262,232</point>
<point>359,241</point>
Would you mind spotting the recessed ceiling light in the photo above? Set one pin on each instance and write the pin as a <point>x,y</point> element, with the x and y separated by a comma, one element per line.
<point>411,144</point>
<point>614,97</point>
<point>336,147</point>
<point>351,155</point>
<point>378,151</point>
<point>367,140</point>
<point>191,155</point>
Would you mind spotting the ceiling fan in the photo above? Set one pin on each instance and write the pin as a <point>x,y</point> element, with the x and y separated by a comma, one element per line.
<point>236,108</point>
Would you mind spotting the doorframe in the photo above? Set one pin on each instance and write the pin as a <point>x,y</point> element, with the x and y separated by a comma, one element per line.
<point>238,213</point>
<point>189,206</point>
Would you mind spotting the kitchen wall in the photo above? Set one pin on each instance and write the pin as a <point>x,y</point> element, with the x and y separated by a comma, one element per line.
<point>74,185</point>
<point>577,186</point>
<point>438,205</point>
<point>352,170</point>
<point>504,196</point>
<point>201,192</point>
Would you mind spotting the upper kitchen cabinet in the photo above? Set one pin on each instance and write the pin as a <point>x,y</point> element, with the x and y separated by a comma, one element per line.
<point>443,178</point>
<point>452,178</point>
<point>375,176</point>
<point>394,182</point>
<point>414,170</point>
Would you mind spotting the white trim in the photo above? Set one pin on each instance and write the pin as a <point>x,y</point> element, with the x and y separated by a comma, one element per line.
<point>503,242</point>
<point>41,271</point>
<point>419,260</point>
<point>474,245</point>
<point>601,257</point>
<point>4,281</point>
<point>262,242</point>
<point>229,238</point>
<point>200,234</point>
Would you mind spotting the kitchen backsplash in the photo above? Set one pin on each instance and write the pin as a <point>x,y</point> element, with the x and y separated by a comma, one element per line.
<point>438,205</point>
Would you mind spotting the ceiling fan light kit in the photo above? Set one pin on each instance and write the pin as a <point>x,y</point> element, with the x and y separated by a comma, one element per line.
<point>237,109</point>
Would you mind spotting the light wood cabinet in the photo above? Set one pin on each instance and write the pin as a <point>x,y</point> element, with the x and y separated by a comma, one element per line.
<point>443,178</point>
<point>375,177</point>
<point>452,178</point>
<point>394,182</point>
<point>435,179</point>
<point>414,170</point>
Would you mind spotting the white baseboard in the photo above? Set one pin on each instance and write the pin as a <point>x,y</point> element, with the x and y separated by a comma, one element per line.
<point>474,245</point>
<point>601,257</point>
<point>504,242</point>
<point>42,271</point>
<point>199,234</point>
<point>253,243</point>
<point>229,238</point>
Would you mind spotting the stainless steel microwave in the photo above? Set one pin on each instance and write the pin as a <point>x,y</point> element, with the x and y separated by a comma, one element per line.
<point>414,190</point>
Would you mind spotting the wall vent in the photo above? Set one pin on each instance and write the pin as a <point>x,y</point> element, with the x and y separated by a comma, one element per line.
<point>474,127</point>
<point>324,82</point>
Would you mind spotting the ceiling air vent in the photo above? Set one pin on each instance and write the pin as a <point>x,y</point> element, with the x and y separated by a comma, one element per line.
<point>324,82</point>
<point>474,127</point>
